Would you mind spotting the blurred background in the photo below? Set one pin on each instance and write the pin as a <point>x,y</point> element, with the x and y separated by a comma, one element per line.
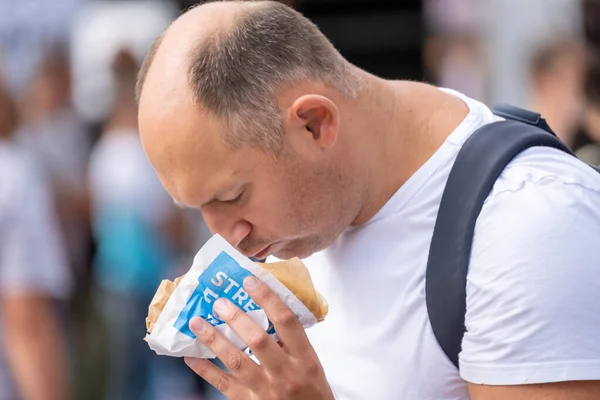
<point>86,230</point>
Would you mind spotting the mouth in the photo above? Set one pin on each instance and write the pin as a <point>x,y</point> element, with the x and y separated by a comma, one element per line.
<point>262,254</point>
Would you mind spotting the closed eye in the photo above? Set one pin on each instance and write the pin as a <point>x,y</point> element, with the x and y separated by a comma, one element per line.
<point>236,200</point>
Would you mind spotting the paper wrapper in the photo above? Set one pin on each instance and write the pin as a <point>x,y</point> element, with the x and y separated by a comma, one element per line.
<point>218,270</point>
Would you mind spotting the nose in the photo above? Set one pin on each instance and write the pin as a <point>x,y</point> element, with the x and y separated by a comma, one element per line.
<point>233,228</point>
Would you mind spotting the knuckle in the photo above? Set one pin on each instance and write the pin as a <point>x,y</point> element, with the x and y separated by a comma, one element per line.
<point>235,362</point>
<point>209,338</point>
<point>263,294</point>
<point>258,340</point>
<point>201,369</point>
<point>235,315</point>
<point>287,318</point>
<point>222,384</point>
<point>292,387</point>
<point>312,368</point>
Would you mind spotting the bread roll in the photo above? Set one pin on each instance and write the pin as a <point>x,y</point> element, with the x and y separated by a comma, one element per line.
<point>292,274</point>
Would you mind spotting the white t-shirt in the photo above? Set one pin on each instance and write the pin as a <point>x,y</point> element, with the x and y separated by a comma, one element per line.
<point>533,313</point>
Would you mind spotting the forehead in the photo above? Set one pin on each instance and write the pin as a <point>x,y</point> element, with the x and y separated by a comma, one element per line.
<point>184,144</point>
<point>182,139</point>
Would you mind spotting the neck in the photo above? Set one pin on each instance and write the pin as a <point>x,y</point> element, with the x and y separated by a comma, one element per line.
<point>406,123</point>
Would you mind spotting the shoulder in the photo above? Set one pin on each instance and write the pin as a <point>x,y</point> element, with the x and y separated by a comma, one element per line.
<point>534,275</point>
<point>543,197</point>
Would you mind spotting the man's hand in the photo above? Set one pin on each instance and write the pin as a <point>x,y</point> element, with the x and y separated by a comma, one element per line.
<point>289,370</point>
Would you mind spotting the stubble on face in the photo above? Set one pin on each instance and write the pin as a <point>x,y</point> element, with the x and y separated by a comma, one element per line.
<point>319,200</point>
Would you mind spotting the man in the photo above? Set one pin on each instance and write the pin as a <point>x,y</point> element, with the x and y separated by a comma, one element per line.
<point>250,115</point>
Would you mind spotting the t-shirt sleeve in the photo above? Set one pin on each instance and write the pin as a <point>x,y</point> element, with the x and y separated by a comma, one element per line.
<point>32,256</point>
<point>533,288</point>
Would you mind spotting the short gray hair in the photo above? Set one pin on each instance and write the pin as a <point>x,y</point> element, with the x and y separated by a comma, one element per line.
<point>237,73</point>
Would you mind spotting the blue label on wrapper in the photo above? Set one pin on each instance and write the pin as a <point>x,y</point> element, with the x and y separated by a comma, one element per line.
<point>224,277</point>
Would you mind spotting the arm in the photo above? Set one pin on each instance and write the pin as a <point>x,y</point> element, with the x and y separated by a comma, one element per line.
<point>33,273</point>
<point>532,295</point>
<point>34,347</point>
<point>576,390</point>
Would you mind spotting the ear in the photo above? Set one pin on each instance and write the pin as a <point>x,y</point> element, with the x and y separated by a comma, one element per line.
<point>318,116</point>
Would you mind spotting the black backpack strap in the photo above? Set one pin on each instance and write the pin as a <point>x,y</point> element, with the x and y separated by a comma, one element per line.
<point>478,164</point>
<point>510,112</point>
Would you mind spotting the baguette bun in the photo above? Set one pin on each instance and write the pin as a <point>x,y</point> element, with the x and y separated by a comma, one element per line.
<point>294,275</point>
<point>291,273</point>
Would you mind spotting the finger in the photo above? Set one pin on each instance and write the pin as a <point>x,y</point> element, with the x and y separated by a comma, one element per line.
<point>288,328</point>
<point>219,379</point>
<point>240,365</point>
<point>263,347</point>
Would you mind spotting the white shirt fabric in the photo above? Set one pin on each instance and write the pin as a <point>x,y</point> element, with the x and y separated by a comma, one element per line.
<point>120,176</point>
<point>32,256</point>
<point>533,313</point>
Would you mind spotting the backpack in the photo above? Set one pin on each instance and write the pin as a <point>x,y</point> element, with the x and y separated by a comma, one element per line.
<point>479,163</point>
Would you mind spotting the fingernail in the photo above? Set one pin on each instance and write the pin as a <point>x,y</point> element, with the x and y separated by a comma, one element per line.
<point>197,324</point>
<point>220,307</point>
<point>190,361</point>
<point>251,282</point>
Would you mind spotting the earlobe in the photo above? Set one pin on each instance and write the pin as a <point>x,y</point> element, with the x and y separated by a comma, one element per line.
<point>319,116</point>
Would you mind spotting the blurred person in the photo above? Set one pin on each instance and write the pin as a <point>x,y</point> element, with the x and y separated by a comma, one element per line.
<point>589,137</point>
<point>134,223</point>
<point>250,115</point>
<point>509,46</point>
<point>33,275</point>
<point>60,141</point>
<point>589,150</point>
<point>100,30</point>
<point>456,62</point>
<point>26,30</point>
<point>557,74</point>
<point>453,52</point>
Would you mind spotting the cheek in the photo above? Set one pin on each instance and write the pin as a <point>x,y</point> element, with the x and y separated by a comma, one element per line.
<point>294,201</point>
<point>269,211</point>
<point>281,209</point>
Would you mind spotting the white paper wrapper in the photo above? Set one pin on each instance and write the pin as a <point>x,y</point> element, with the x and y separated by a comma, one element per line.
<point>218,270</point>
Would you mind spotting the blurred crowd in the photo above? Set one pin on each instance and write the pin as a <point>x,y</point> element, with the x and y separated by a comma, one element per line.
<point>87,231</point>
<point>543,55</point>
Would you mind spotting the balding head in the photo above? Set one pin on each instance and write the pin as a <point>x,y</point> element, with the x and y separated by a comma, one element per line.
<point>228,86</point>
<point>235,57</point>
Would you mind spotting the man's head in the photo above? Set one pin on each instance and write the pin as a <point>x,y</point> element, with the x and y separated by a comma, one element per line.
<point>240,107</point>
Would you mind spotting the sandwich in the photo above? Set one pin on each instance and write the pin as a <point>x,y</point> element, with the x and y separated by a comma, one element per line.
<point>292,273</point>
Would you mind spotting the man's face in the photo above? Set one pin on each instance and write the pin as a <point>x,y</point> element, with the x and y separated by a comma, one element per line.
<point>290,205</point>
